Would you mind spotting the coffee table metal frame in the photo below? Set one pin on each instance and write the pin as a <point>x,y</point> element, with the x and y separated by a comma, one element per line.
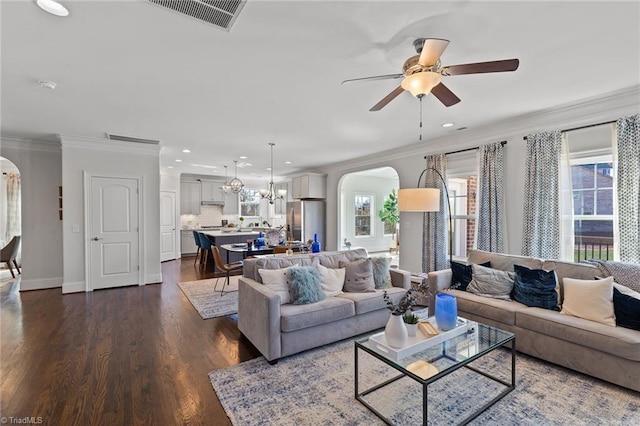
<point>360,344</point>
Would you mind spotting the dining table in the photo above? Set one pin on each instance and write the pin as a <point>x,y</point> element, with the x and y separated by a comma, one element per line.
<point>251,250</point>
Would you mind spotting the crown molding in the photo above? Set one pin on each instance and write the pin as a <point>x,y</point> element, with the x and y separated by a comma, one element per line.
<point>107,145</point>
<point>29,145</point>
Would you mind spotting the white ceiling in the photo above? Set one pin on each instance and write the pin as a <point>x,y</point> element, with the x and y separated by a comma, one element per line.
<point>137,69</point>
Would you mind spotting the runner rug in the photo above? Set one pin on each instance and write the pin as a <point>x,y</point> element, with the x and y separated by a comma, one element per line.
<point>317,388</point>
<point>207,301</point>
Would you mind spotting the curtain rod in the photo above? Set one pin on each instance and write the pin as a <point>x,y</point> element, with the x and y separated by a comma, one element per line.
<point>584,127</point>
<point>503,143</point>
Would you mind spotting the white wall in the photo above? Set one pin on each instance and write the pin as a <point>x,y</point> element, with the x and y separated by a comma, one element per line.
<point>40,166</point>
<point>97,156</point>
<point>409,162</point>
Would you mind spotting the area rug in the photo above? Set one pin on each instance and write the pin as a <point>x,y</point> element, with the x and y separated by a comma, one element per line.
<point>207,301</point>
<point>317,388</point>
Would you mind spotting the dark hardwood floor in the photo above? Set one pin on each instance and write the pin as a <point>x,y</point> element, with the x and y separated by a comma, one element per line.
<point>126,356</point>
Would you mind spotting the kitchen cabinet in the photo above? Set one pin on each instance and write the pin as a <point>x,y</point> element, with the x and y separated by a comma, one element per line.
<point>187,243</point>
<point>309,186</point>
<point>190,196</point>
<point>231,204</point>
<point>211,192</point>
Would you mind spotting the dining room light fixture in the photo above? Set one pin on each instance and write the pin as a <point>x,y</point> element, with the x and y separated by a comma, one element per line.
<point>270,193</point>
<point>225,187</point>
<point>236,184</point>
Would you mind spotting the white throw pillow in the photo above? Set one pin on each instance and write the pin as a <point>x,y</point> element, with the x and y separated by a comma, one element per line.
<point>276,280</point>
<point>589,299</point>
<point>331,280</point>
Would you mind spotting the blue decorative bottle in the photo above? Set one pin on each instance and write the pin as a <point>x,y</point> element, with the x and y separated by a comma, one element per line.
<point>260,241</point>
<point>315,245</point>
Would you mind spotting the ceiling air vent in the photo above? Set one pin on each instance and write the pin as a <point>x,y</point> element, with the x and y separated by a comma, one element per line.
<point>122,138</point>
<point>220,13</point>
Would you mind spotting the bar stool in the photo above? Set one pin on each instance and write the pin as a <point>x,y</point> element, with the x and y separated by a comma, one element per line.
<point>205,246</point>
<point>196,236</point>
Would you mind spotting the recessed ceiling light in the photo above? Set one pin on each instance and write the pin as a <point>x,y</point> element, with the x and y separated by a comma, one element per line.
<point>53,7</point>
<point>46,84</point>
<point>287,162</point>
<point>178,160</point>
<point>447,125</point>
<point>186,151</point>
<point>268,169</point>
<point>169,167</point>
<point>243,157</point>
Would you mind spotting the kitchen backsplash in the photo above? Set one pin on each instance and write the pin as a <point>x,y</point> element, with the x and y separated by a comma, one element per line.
<point>212,216</point>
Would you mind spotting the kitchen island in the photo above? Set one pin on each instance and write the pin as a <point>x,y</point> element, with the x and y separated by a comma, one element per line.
<point>218,238</point>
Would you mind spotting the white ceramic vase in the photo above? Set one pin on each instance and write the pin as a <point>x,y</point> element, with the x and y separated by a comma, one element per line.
<point>411,329</point>
<point>395,332</point>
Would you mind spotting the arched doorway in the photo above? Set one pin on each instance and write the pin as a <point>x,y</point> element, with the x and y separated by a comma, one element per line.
<point>10,211</point>
<point>362,196</point>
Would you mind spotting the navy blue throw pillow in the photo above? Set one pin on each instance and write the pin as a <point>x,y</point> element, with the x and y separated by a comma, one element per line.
<point>627,310</point>
<point>535,287</point>
<point>462,275</point>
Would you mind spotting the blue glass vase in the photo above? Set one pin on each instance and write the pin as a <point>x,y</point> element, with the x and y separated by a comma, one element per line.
<point>446,311</point>
<point>260,242</point>
<point>315,245</point>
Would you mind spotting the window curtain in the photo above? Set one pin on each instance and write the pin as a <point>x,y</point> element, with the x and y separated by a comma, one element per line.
<point>491,224</point>
<point>567,231</point>
<point>541,230</point>
<point>628,188</point>
<point>434,229</point>
<point>13,227</point>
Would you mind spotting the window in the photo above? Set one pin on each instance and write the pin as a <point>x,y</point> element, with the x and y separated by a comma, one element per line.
<point>363,209</point>
<point>462,197</point>
<point>592,180</point>
<point>249,203</point>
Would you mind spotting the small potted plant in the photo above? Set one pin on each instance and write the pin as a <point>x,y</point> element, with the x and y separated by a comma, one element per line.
<point>411,322</point>
<point>396,332</point>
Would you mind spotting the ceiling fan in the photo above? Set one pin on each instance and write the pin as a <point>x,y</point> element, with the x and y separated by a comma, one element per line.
<point>422,73</point>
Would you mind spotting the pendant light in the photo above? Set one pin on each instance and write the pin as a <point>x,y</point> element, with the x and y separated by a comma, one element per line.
<point>236,184</point>
<point>225,188</point>
<point>270,193</point>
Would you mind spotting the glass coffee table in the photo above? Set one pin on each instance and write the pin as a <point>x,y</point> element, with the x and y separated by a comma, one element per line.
<point>440,360</point>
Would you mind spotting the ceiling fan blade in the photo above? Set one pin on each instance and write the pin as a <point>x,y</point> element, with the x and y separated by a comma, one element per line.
<point>376,77</point>
<point>391,96</point>
<point>431,51</point>
<point>482,67</point>
<point>444,95</point>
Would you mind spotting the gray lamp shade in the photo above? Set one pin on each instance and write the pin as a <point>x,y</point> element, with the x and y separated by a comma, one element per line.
<point>419,200</point>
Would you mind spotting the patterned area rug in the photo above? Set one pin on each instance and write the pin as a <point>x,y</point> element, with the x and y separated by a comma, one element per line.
<point>207,301</point>
<point>317,388</point>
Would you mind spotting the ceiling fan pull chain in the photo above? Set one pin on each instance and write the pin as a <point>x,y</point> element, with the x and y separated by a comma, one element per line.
<point>420,97</point>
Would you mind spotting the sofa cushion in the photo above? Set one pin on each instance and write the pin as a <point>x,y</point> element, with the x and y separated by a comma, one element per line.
<point>358,276</point>
<point>501,261</point>
<point>461,275</point>
<point>297,317</point>
<point>331,280</point>
<point>589,299</point>
<point>627,310</point>
<point>280,262</point>
<point>581,271</point>
<point>618,341</point>
<point>495,309</point>
<point>333,260</point>
<point>368,302</point>
<point>276,280</point>
<point>489,282</point>
<point>304,285</point>
<point>535,287</point>
<point>380,267</point>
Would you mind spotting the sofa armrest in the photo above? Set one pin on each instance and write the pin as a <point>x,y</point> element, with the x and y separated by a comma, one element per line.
<point>438,281</point>
<point>259,317</point>
<point>400,278</point>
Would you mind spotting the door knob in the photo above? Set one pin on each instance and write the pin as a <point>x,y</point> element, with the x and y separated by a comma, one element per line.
<point>96,238</point>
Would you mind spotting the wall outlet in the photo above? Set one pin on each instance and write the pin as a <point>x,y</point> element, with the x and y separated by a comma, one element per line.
<point>75,228</point>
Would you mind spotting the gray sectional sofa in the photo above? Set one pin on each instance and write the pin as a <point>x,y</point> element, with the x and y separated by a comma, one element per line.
<point>606,352</point>
<point>280,330</point>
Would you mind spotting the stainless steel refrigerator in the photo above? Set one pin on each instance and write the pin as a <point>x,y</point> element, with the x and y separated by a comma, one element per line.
<point>305,218</point>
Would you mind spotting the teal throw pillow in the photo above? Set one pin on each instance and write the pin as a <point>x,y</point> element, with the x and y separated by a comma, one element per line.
<point>304,285</point>
<point>380,266</point>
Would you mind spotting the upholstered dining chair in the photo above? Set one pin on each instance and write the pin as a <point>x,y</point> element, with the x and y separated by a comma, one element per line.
<point>224,267</point>
<point>9,253</point>
<point>196,236</point>
<point>205,248</point>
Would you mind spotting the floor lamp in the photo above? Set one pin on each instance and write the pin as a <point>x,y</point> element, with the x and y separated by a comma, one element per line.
<point>426,200</point>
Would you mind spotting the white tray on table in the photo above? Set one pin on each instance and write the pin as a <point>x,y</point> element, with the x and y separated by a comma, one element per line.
<point>419,342</point>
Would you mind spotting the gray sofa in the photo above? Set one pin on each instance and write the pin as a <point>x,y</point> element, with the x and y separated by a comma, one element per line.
<point>602,351</point>
<point>280,330</point>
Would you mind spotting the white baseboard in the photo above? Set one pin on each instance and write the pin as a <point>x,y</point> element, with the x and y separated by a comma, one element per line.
<point>40,284</point>
<point>73,287</point>
<point>153,279</point>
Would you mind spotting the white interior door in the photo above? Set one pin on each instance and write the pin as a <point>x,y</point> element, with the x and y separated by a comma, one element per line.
<point>167,225</point>
<point>114,232</point>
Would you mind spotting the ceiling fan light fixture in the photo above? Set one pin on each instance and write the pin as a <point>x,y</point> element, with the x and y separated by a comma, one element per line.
<point>421,83</point>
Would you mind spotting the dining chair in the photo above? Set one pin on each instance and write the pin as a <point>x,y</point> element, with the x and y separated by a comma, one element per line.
<point>196,236</point>
<point>205,247</point>
<point>281,249</point>
<point>9,253</point>
<point>224,267</point>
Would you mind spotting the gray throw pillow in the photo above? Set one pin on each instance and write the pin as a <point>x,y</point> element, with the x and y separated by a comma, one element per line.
<point>358,276</point>
<point>380,266</point>
<point>304,285</point>
<point>489,282</point>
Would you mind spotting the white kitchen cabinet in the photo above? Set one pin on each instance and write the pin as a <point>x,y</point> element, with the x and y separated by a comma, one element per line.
<point>187,243</point>
<point>190,193</point>
<point>231,204</point>
<point>211,191</point>
<point>309,186</point>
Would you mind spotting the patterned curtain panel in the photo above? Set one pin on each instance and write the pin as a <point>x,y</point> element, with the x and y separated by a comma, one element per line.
<point>491,224</point>
<point>13,206</point>
<point>434,229</point>
<point>628,174</point>
<point>541,232</point>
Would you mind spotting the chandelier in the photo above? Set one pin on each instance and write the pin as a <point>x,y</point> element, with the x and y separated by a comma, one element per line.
<point>225,188</point>
<point>270,193</point>
<point>236,184</point>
